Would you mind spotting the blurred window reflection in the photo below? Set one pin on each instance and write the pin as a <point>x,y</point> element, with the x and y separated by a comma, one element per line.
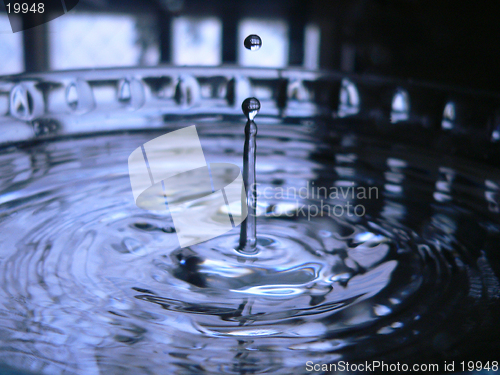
<point>197,41</point>
<point>11,48</point>
<point>274,50</point>
<point>85,40</point>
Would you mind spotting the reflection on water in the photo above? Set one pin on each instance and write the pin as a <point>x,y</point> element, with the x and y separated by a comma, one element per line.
<point>92,284</point>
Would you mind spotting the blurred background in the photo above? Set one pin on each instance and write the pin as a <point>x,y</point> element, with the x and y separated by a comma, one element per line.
<point>442,41</point>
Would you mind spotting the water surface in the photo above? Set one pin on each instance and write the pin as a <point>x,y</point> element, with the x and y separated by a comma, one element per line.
<point>92,284</point>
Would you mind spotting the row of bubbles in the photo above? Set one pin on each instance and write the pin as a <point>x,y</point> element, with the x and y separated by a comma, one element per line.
<point>453,115</point>
<point>139,93</point>
<point>253,42</point>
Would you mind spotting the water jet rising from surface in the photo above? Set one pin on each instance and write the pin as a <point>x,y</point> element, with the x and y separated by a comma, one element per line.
<point>248,233</point>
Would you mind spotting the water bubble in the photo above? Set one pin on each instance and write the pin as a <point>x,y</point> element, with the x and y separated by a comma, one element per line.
<point>250,107</point>
<point>400,106</point>
<point>45,127</point>
<point>21,102</point>
<point>124,92</point>
<point>349,101</point>
<point>449,116</point>
<point>72,96</point>
<point>253,42</point>
<point>495,134</point>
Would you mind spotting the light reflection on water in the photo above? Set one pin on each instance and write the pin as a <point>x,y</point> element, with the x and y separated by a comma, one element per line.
<point>92,284</point>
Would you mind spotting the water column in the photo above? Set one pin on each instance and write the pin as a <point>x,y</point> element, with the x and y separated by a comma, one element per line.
<point>250,107</point>
<point>248,233</point>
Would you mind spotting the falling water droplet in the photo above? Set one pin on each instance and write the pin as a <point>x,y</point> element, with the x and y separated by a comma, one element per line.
<point>248,233</point>
<point>250,107</point>
<point>253,42</point>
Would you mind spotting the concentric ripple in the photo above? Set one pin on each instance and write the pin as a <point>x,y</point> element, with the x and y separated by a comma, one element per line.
<point>92,284</point>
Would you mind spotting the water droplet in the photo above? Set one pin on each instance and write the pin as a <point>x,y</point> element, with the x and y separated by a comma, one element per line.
<point>449,116</point>
<point>130,93</point>
<point>349,102</point>
<point>495,134</point>
<point>79,96</point>
<point>400,106</point>
<point>187,91</point>
<point>21,103</point>
<point>250,107</point>
<point>124,92</point>
<point>253,42</point>
<point>72,96</point>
